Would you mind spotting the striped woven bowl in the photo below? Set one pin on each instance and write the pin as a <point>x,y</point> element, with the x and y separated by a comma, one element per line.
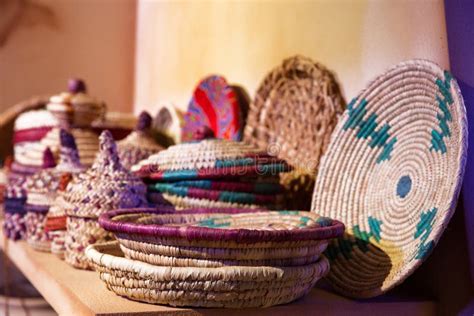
<point>215,238</point>
<point>228,287</point>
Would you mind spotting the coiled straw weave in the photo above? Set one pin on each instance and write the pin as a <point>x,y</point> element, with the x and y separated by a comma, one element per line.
<point>216,238</point>
<point>292,117</point>
<point>392,174</point>
<point>294,112</point>
<point>230,287</point>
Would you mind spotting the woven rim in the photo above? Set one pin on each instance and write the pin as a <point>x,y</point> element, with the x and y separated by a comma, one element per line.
<point>214,104</point>
<point>210,287</point>
<point>294,112</point>
<point>392,175</point>
<point>329,229</point>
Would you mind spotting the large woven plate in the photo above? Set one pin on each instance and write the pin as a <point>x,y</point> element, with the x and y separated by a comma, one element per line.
<point>392,175</point>
<point>214,104</point>
<point>294,112</point>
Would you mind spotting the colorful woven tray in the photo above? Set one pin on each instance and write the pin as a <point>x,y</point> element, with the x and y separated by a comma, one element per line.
<point>229,287</point>
<point>249,187</point>
<point>268,170</point>
<point>294,112</point>
<point>392,175</point>
<point>215,195</point>
<point>214,104</point>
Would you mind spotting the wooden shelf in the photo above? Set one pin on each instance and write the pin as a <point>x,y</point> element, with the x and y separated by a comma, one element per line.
<point>77,292</point>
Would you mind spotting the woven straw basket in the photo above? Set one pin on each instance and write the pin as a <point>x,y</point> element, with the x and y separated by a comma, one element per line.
<point>230,287</point>
<point>292,116</point>
<point>392,175</point>
<point>215,238</point>
<point>294,111</point>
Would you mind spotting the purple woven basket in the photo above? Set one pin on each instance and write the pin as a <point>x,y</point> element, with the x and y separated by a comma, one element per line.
<point>327,228</point>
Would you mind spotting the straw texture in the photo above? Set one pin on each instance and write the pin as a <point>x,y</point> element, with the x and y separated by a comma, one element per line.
<point>106,185</point>
<point>75,108</point>
<point>217,238</point>
<point>294,112</point>
<point>82,232</point>
<point>230,287</point>
<point>392,174</point>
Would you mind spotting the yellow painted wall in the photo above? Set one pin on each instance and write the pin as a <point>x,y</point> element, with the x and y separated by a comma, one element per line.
<point>178,42</point>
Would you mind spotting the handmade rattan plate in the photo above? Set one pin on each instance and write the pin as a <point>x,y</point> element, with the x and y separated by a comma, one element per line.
<point>294,112</point>
<point>392,175</point>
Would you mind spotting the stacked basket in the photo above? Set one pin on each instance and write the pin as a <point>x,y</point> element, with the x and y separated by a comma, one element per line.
<point>55,222</point>
<point>214,258</point>
<point>105,186</point>
<point>213,173</point>
<point>75,111</point>
<point>42,190</point>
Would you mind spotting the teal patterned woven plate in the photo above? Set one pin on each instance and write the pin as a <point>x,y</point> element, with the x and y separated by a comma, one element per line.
<point>392,175</point>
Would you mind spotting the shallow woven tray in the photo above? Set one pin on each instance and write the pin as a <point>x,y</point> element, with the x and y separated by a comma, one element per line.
<point>267,170</point>
<point>392,175</point>
<point>229,287</point>
<point>245,230</point>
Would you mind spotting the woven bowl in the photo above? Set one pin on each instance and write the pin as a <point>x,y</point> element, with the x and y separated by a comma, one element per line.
<point>392,175</point>
<point>229,287</point>
<point>214,238</point>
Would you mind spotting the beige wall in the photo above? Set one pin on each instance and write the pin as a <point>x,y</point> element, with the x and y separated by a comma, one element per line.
<point>52,40</point>
<point>179,41</point>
